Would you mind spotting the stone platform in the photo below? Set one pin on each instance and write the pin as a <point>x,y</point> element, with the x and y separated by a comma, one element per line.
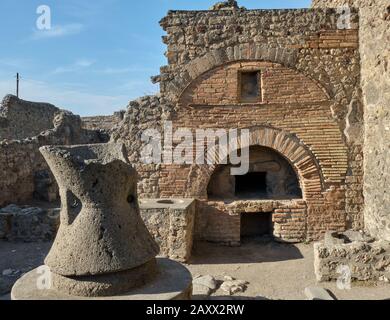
<point>174,282</point>
<point>171,223</point>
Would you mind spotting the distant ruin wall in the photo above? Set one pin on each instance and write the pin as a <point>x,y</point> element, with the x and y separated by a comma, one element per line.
<point>24,173</point>
<point>375,80</point>
<point>102,122</point>
<point>21,119</point>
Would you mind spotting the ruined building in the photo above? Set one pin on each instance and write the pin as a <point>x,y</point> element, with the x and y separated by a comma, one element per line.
<point>312,88</point>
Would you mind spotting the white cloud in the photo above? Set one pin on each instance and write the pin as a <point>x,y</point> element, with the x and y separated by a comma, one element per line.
<point>58,31</point>
<point>78,65</point>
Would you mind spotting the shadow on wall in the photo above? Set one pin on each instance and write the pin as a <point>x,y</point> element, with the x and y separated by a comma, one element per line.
<point>255,250</point>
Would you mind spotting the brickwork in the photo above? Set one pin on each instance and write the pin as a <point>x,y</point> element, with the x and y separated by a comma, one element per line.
<point>309,111</point>
<point>279,85</point>
<point>374,49</point>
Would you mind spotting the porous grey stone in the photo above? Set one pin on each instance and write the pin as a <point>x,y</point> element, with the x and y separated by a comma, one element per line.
<point>172,283</point>
<point>317,293</point>
<point>225,5</point>
<point>108,284</point>
<point>171,223</point>
<point>101,229</point>
<point>206,281</point>
<point>103,248</point>
<point>234,286</point>
<point>362,261</point>
<point>200,290</point>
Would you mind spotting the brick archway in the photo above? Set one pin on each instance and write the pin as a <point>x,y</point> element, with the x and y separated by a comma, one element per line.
<point>287,57</point>
<point>286,144</point>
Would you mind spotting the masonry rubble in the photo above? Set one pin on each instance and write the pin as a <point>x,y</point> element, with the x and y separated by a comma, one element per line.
<point>351,254</point>
<point>24,127</point>
<point>28,224</point>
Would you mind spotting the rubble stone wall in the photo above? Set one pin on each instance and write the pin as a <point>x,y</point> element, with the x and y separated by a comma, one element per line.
<point>362,259</point>
<point>375,82</point>
<point>24,174</point>
<point>172,227</point>
<point>29,224</point>
<point>102,122</point>
<point>21,119</point>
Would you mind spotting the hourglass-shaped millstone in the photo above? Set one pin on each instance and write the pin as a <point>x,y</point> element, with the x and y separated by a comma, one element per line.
<point>102,246</point>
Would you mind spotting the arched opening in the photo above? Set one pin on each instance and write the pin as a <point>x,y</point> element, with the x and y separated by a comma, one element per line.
<point>270,177</point>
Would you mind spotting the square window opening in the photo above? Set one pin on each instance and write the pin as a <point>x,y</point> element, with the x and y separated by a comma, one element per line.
<point>250,86</point>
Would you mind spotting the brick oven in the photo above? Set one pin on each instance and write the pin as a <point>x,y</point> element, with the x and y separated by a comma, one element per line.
<point>291,78</point>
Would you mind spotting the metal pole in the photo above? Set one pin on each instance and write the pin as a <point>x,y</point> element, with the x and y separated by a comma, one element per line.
<point>17,84</point>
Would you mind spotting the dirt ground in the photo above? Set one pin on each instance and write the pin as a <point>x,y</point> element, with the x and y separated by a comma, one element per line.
<point>274,271</point>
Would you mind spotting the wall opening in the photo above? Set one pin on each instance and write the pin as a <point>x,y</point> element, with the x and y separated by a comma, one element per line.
<point>256,225</point>
<point>249,86</point>
<point>251,185</point>
<point>270,176</point>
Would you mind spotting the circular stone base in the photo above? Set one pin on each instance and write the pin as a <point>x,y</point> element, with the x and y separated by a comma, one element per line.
<point>173,282</point>
<point>106,284</point>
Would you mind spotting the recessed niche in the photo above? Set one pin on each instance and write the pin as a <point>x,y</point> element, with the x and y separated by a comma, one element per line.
<point>249,86</point>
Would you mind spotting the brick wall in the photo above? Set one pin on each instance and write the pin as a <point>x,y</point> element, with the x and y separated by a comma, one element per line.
<point>374,30</point>
<point>310,110</point>
<point>279,85</point>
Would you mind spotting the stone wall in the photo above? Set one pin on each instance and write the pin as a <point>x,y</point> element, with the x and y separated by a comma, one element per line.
<point>375,81</point>
<point>310,101</point>
<point>105,123</point>
<point>29,224</point>
<point>147,112</point>
<point>352,254</point>
<point>21,119</point>
<point>24,174</point>
<point>171,223</point>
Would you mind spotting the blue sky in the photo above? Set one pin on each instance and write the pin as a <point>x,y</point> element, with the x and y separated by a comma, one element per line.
<point>98,55</point>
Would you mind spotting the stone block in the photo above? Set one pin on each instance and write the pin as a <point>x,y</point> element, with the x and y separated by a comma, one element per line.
<point>317,293</point>
<point>340,254</point>
<point>171,222</point>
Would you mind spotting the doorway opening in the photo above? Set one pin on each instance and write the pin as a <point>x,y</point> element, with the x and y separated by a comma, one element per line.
<point>254,225</point>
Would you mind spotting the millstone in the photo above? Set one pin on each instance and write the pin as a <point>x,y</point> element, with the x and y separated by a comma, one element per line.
<point>102,248</point>
<point>101,229</point>
<point>102,245</point>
